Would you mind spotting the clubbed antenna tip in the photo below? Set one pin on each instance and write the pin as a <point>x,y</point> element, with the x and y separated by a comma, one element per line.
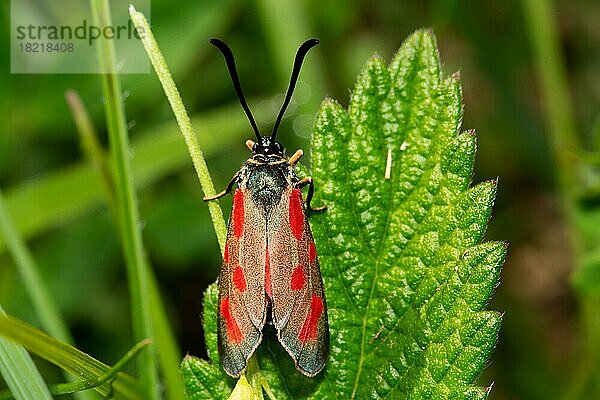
<point>300,54</point>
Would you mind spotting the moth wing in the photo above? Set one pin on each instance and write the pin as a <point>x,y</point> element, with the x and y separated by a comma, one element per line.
<point>298,298</point>
<point>242,299</point>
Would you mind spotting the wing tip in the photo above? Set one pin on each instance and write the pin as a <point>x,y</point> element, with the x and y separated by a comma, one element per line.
<point>235,367</point>
<point>319,363</point>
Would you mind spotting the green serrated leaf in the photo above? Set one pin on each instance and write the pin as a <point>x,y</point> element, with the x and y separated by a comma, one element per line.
<point>204,379</point>
<point>406,274</point>
<point>397,247</point>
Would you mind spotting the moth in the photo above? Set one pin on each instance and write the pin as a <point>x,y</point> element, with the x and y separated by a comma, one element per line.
<point>270,272</point>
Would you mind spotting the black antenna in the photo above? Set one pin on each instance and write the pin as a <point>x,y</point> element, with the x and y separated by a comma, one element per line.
<point>300,54</point>
<point>228,55</point>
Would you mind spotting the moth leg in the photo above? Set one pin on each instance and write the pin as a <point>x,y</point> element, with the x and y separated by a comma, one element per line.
<point>224,192</point>
<point>311,191</point>
<point>295,157</point>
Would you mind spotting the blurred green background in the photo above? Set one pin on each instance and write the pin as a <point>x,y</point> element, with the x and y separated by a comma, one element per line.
<point>546,348</point>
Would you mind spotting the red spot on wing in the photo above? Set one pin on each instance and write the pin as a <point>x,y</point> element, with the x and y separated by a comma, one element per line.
<point>312,253</point>
<point>233,331</point>
<point>296,214</point>
<point>268,273</point>
<point>238,213</point>
<point>239,280</point>
<point>310,325</point>
<point>298,278</point>
<point>226,255</point>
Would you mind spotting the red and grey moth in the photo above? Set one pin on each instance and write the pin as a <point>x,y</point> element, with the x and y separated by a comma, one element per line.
<point>270,272</point>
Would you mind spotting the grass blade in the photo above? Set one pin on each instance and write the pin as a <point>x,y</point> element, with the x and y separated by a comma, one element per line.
<point>20,373</point>
<point>74,190</point>
<point>44,304</point>
<point>129,221</point>
<point>68,358</point>
<point>80,386</point>
<point>169,354</point>
<point>91,147</point>
<point>162,71</point>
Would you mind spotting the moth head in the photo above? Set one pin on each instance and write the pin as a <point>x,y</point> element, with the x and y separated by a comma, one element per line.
<point>266,146</point>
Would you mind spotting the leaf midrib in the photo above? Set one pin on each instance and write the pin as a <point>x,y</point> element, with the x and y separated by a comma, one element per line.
<point>410,74</point>
<point>378,258</point>
<point>361,359</point>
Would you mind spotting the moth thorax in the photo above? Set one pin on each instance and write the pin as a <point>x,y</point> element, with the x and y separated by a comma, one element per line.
<point>266,183</point>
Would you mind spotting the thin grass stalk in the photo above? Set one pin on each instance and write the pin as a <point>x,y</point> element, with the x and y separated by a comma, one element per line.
<point>169,354</point>
<point>183,120</point>
<point>127,203</point>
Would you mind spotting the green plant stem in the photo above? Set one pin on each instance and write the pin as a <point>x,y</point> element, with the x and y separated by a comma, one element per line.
<point>253,375</point>
<point>560,121</point>
<point>257,380</point>
<point>543,36</point>
<point>91,147</point>
<point>128,213</point>
<point>20,373</point>
<point>541,24</point>
<point>191,140</point>
<point>169,354</point>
